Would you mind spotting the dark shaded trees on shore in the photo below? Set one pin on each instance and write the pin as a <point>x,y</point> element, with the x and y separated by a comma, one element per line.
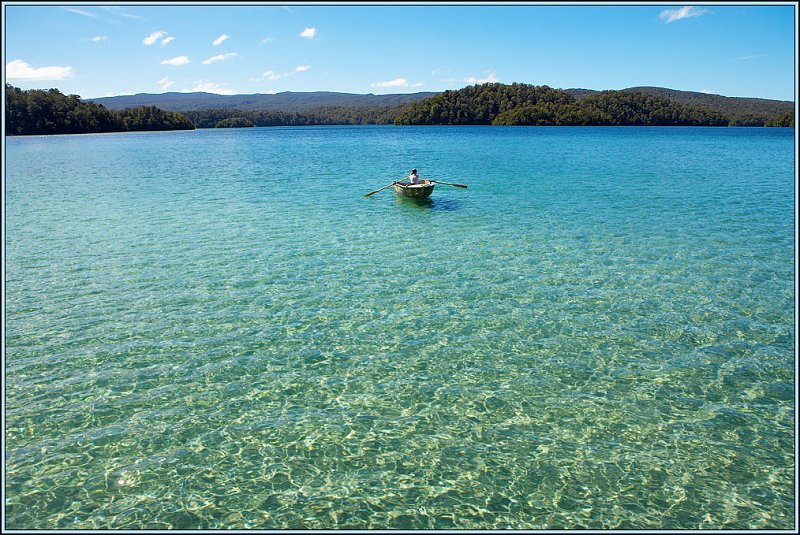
<point>324,115</point>
<point>51,112</point>
<point>36,112</point>
<point>522,104</point>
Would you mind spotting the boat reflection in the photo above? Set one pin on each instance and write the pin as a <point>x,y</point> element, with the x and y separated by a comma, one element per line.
<point>429,203</point>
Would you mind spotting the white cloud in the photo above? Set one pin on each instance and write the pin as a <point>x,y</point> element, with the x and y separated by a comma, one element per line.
<point>177,61</point>
<point>309,33</point>
<point>272,75</point>
<point>153,37</point>
<point>671,15</point>
<point>164,83</point>
<point>492,78</point>
<point>98,38</point>
<point>267,40</point>
<point>220,57</point>
<point>751,56</point>
<point>81,12</point>
<point>118,11</point>
<point>397,82</point>
<point>209,87</point>
<point>21,70</point>
<point>167,41</point>
<point>219,40</point>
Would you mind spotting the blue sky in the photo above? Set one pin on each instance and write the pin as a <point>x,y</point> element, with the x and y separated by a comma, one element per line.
<point>95,50</point>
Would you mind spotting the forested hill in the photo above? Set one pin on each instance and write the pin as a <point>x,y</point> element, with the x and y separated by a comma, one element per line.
<point>524,104</point>
<point>738,110</point>
<point>287,101</point>
<point>730,106</point>
<point>37,111</point>
<point>51,112</point>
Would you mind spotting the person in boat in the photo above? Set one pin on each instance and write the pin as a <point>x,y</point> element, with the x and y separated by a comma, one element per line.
<point>414,178</point>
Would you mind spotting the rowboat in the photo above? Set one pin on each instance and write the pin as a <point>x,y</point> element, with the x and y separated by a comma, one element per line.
<point>422,190</point>
<point>415,191</point>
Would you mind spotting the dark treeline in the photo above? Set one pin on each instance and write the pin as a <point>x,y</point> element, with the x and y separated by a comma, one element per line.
<point>235,122</point>
<point>51,112</point>
<point>324,115</point>
<point>784,120</point>
<point>38,111</point>
<point>612,108</point>
<point>523,104</point>
<point>730,107</point>
<point>480,104</point>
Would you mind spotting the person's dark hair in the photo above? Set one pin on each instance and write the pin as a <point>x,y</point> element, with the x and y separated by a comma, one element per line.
<point>413,170</point>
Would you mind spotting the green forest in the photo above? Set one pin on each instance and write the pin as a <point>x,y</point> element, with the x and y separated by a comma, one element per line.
<point>523,104</point>
<point>323,115</point>
<point>38,111</point>
<point>51,112</point>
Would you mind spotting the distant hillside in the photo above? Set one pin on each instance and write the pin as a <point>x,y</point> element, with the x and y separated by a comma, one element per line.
<point>729,106</point>
<point>529,105</point>
<point>742,111</point>
<point>286,102</point>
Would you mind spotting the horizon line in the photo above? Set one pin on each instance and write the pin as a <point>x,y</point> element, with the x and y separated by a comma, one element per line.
<point>400,94</point>
<point>434,92</point>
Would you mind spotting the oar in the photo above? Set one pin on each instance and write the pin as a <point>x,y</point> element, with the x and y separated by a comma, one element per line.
<point>448,183</point>
<point>383,188</point>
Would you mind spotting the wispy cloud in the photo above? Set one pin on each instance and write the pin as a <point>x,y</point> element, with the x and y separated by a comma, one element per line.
<point>177,61</point>
<point>81,12</point>
<point>209,87</point>
<point>272,75</point>
<point>491,78</point>
<point>21,70</point>
<point>164,83</point>
<point>167,41</point>
<point>220,57</point>
<point>98,38</point>
<point>671,15</point>
<point>219,40</point>
<point>267,40</point>
<point>153,37</point>
<point>116,10</point>
<point>397,82</point>
<point>309,33</point>
<point>751,56</point>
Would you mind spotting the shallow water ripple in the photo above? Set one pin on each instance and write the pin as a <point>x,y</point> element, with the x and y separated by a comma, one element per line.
<point>589,337</point>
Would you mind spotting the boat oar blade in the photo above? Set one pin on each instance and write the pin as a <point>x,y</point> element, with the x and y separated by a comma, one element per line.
<point>379,189</point>
<point>449,184</point>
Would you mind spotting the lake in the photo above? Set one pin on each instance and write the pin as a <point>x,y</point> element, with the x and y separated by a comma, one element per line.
<point>215,329</point>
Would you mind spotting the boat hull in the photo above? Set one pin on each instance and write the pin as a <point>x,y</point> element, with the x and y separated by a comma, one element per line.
<point>416,191</point>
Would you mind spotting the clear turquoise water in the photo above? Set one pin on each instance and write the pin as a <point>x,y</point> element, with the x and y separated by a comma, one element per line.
<point>216,329</point>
